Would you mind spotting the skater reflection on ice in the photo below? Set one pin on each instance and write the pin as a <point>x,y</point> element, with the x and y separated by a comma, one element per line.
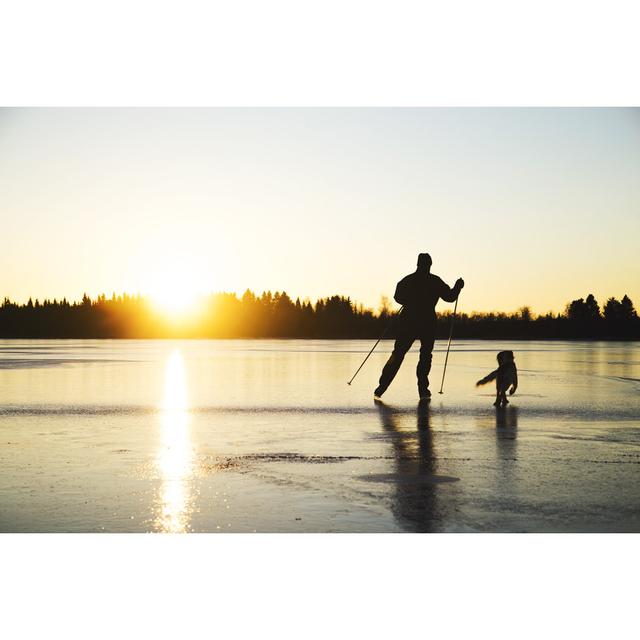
<point>415,504</point>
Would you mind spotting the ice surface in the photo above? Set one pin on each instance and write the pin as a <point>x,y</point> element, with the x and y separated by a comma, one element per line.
<point>266,435</point>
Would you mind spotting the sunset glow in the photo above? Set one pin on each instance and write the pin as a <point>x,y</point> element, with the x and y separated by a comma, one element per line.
<point>532,207</point>
<point>175,289</point>
<point>174,298</point>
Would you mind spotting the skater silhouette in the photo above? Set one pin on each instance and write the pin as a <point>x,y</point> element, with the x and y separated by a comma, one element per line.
<point>418,293</point>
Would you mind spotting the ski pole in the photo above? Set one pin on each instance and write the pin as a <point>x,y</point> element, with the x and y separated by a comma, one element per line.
<point>375,345</point>
<point>453,317</point>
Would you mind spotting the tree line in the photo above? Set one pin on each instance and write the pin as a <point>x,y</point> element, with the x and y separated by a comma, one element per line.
<point>276,315</point>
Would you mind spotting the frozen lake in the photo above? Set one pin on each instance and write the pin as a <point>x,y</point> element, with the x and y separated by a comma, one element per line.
<point>265,435</point>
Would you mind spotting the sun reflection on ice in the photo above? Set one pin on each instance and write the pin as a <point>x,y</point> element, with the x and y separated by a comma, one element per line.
<point>175,456</point>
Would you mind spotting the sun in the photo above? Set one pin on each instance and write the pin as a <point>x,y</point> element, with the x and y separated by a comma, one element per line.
<point>174,301</point>
<point>175,292</point>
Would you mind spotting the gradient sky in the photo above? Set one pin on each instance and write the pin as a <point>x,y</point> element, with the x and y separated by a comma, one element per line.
<point>531,206</point>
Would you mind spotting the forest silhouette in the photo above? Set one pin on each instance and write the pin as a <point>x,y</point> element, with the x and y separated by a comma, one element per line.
<point>276,315</point>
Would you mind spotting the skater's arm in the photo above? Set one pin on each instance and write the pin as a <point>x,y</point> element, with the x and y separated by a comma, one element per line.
<point>514,384</point>
<point>400,296</point>
<point>492,376</point>
<point>451,294</point>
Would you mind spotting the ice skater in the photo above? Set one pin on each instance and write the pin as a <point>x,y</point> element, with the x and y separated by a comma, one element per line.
<point>418,293</point>
<point>506,375</point>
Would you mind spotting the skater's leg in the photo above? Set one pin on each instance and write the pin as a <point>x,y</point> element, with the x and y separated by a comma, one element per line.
<point>402,345</point>
<point>424,365</point>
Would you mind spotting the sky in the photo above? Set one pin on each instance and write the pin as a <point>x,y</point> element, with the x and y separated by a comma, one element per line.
<point>530,206</point>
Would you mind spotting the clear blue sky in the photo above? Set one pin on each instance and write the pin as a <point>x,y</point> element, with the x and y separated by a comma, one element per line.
<point>530,206</point>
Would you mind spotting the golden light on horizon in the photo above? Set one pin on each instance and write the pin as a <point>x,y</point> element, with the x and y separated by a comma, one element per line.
<point>176,289</point>
<point>175,456</point>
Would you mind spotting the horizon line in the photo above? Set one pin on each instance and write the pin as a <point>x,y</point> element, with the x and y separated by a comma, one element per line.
<point>146,296</point>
